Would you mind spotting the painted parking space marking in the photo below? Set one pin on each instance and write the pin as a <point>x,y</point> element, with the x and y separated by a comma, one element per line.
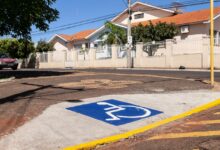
<point>115,112</point>
<point>205,122</point>
<point>193,134</point>
<point>217,113</point>
<point>186,135</point>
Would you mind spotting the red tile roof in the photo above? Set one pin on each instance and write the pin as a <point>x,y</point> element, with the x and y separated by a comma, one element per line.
<point>77,36</point>
<point>66,37</point>
<point>185,18</point>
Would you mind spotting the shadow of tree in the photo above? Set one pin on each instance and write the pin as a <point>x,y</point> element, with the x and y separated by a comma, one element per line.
<point>34,73</point>
<point>31,93</point>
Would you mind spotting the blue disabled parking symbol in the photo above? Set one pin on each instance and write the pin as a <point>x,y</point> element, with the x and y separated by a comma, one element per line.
<point>115,112</point>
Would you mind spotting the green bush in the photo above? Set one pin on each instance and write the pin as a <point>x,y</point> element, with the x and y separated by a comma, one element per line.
<point>16,48</point>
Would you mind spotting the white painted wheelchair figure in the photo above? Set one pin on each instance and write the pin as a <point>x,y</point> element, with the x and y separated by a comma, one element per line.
<point>114,108</point>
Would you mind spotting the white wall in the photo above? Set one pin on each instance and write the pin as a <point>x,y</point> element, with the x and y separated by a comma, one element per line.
<point>59,44</point>
<point>148,15</point>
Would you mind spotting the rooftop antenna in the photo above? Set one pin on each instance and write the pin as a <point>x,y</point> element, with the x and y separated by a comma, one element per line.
<point>177,7</point>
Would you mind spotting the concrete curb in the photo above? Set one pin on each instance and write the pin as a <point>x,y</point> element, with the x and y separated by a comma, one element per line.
<point>165,69</point>
<point>7,79</point>
<point>114,138</point>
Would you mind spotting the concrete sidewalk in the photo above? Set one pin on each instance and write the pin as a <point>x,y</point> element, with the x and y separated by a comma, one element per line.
<point>57,127</point>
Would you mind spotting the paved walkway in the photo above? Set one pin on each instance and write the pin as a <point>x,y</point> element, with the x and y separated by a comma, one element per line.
<point>58,127</point>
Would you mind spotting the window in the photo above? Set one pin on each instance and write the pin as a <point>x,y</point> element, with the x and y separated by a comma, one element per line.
<point>217,38</point>
<point>139,16</point>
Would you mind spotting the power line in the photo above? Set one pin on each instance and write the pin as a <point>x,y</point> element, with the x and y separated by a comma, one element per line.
<point>98,19</point>
<point>82,21</point>
<point>183,4</point>
<point>125,3</point>
<point>72,26</point>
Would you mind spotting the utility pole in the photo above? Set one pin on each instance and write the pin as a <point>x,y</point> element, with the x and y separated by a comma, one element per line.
<point>212,42</point>
<point>129,37</point>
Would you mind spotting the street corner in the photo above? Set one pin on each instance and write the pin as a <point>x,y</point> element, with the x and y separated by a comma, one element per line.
<point>109,118</point>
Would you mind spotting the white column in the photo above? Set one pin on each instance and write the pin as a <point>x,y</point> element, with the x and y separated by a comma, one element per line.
<point>217,38</point>
<point>114,52</point>
<point>92,57</point>
<point>206,53</point>
<point>169,53</point>
<point>139,55</point>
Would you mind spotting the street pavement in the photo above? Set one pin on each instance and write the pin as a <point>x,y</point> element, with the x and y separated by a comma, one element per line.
<point>36,95</point>
<point>58,127</point>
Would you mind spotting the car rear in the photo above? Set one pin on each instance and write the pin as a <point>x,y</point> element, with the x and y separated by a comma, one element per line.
<point>7,62</point>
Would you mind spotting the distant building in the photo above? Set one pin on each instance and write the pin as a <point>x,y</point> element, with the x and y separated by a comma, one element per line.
<point>192,25</point>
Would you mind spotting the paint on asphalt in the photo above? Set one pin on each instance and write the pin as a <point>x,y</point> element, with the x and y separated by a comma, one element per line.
<point>58,128</point>
<point>114,112</point>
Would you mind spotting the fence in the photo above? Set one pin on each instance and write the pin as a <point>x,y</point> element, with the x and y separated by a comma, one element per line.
<point>54,59</point>
<point>104,52</point>
<point>193,53</point>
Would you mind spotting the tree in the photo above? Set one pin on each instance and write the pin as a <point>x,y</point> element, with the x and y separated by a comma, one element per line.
<point>151,32</point>
<point>154,32</point>
<point>43,46</point>
<point>17,48</point>
<point>162,31</point>
<point>115,34</point>
<point>139,34</point>
<point>18,16</point>
<point>158,32</point>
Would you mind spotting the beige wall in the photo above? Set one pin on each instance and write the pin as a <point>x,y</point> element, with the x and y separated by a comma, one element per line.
<point>52,65</point>
<point>191,54</point>
<point>217,24</point>
<point>92,62</point>
<point>187,60</point>
<point>196,31</point>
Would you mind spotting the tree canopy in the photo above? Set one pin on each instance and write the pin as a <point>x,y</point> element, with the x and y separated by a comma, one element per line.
<point>154,32</point>
<point>115,34</point>
<point>151,32</point>
<point>16,48</point>
<point>18,16</point>
<point>43,46</point>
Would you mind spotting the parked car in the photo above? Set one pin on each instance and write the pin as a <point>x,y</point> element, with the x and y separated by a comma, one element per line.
<point>8,62</point>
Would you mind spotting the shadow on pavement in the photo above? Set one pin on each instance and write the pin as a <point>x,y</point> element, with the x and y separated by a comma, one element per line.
<point>74,101</point>
<point>34,73</point>
<point>32,93</point>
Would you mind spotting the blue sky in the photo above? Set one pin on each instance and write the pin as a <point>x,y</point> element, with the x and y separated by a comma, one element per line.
<point>73,11</point>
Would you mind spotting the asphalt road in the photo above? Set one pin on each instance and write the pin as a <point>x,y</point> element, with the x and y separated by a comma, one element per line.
<point>34,90</point>
<point>200,75</point>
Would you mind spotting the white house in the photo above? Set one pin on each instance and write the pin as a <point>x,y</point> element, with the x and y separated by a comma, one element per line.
<point>192,25</point>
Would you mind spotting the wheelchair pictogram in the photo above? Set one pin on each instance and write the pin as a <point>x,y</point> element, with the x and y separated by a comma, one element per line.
<point>114,108</point>
<point>115,112</point>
